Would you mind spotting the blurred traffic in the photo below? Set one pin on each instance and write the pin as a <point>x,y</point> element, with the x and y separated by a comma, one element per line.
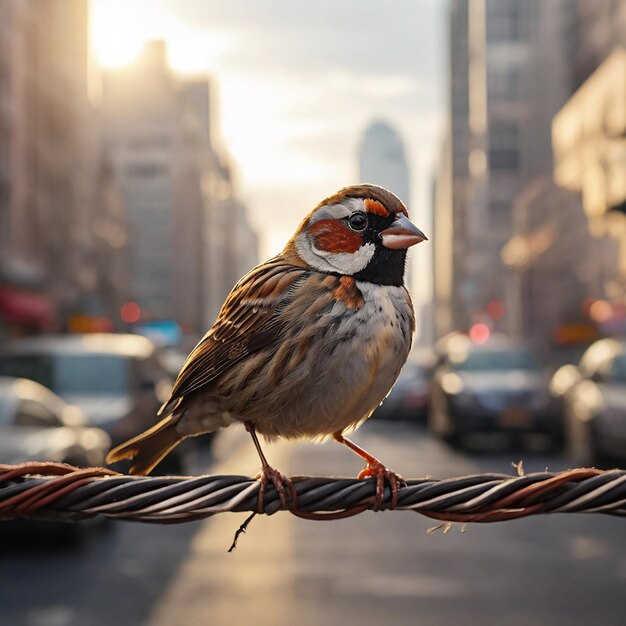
<point>118,380</point>
<point>496,387</point>
<point>37,425</point>
<point>593,402</point>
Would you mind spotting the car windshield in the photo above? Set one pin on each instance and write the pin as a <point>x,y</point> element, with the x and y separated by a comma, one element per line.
<point>501,360</point>
<point>618,370</point>
<point>72,373</point>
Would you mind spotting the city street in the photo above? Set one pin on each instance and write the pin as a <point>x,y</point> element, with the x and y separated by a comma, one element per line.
<point>373,569</point>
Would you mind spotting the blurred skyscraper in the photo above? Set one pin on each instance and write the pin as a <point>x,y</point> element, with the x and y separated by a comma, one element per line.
<point>145,131</point>
<point>593,29</point>
<point>182,206</point>
<point>507,80</point>
<point>229,243</point>
<point>382,160</point>
<point>60,222</point>
<point>589,142</point>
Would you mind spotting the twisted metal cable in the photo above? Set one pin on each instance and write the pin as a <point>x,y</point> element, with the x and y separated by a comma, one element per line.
<point>55,491</point>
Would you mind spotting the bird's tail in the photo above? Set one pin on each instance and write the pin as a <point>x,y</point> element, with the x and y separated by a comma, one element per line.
<point>150,447</point>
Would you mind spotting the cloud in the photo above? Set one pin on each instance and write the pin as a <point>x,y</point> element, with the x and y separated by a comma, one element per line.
<point>299,81</point>
<point>346,32</point>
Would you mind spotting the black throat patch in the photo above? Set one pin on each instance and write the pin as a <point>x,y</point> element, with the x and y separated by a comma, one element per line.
<point>387,266</point>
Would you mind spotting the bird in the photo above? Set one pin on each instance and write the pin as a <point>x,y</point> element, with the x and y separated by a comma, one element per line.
<point>306,345</point>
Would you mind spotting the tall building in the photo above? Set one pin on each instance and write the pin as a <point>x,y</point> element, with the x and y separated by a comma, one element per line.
<point>48,269</point>
<point>505,83</point>
<point>587,137</point>
<point>178,188</point>
<point>229,243</point>
<point>382,160</point>
<point>141,122</point>
<point>594,28</point>
<point>590,157</point>
<point>449,202</point>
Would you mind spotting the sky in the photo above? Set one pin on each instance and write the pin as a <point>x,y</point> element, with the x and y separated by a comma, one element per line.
<point>296,83</point>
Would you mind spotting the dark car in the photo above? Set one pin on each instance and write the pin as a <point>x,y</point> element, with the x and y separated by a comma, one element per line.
<point>409,398</point>
<point>594,403</point>
<point>37,425</point>
<point>492,388</point>
<point>117,379</point>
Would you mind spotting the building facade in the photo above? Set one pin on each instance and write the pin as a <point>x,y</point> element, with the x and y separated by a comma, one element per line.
<point>178,187</point>
<point>590,156</point>
<point>593,29</point>
<point>506,81</point>
<point>382,160</point>
<point>48,155</point>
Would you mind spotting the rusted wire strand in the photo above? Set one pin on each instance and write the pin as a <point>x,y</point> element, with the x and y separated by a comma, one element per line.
<point>62,492</point>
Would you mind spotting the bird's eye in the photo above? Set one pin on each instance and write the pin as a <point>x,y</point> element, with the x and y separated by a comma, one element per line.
<point>357,221</point>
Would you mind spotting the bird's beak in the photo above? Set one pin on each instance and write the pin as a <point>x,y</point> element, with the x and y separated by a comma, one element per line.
<point>402,234</point>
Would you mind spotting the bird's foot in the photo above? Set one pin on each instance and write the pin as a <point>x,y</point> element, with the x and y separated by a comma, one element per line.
<point>281,483</point>
<point>381,473</point>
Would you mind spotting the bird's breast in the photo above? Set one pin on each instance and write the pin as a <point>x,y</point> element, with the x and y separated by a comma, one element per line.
<point>330,370</point>
<point>384,327</point>
<point>349,367</point>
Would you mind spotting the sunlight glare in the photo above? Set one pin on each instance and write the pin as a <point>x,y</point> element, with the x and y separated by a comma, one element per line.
<point>119,29</point>
<point>195,52</point>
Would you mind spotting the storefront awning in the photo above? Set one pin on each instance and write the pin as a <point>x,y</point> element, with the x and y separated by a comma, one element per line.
<point>21,307</point>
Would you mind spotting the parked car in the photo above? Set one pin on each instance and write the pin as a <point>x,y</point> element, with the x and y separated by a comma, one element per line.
<point>496,387</point>
<point>37,425</point>
<point>594,403</point>
<point>117,379</point>
<point>410,397</point>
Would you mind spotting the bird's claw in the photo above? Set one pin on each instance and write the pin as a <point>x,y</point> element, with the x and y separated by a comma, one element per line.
<point>381,474</point>
<point>280,481</point>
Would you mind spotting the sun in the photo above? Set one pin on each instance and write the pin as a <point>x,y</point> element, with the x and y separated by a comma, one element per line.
<point>118,29</point>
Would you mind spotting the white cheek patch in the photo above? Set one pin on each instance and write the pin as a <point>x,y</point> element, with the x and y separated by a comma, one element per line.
<point>340,262</point>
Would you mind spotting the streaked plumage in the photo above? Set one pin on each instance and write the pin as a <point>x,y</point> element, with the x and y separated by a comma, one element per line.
<point>308,343</point>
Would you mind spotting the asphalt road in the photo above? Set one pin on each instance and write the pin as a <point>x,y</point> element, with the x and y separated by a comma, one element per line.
<point>374,569</point>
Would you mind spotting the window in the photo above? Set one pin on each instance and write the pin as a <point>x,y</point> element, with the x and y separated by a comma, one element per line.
<point>503,145</point>
<point>498,360</point>
<point>149,142</point>
<point>508,20</point>
<point>91,374</point>
<point>618,369</point>
<point>146,170</point>
<point>500,213</point>
<point>72,373</point>
<point>33,366</point>
<point>503,83</point>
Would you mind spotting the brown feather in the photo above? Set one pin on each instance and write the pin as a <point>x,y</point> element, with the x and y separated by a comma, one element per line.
<point>389,200</point>
<point>375,207</point>
<point>247,322</point>
<point>348,293</point>
<point>333,236</point>
<point>148,449</point>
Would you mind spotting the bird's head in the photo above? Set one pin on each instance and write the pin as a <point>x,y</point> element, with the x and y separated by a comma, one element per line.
<point>361,231</point>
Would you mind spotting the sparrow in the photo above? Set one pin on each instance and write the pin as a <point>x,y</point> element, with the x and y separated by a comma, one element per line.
<point>306,345</point>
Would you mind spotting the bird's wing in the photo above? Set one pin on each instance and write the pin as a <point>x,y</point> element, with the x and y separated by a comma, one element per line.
<point>248,321</point>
